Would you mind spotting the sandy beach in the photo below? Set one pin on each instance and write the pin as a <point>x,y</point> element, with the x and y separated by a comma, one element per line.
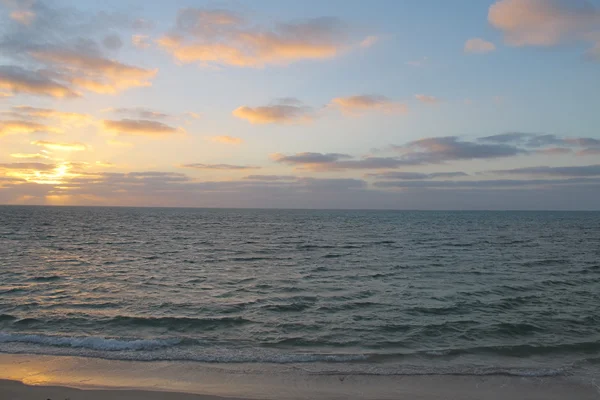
<point>13,390</point>
<point>28,377</point>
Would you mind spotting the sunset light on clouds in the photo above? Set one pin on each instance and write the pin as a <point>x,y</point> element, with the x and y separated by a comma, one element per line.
<point>338,104</point>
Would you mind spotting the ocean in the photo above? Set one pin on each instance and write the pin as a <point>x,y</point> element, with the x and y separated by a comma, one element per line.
<point>331,292</point>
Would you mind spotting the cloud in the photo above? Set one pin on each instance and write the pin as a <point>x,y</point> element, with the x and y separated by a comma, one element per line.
<point>546,22</point>
<point>28,113</point>
<point>139,112</point>
<point>222,37</point>
<point>26,166</point>
<point>485,184</point>
<point>25,17</point>
<point>283,111</point>
<point>448,148</point>
<point>420,152</point>
<point>309,158</point>
<point>270,178</point>
<point>555,151</point>
<point>335,161</point>
<point>18,80</point>
<point>96,74</point>
<point>417,175</point>
<point>589,152</point>
<point>140,127</point>
<point>571,171</point>
<point>369,41</point>
<point>479,46</point>
<point>18,127</point>
<point>141,41</point>
<point>29,156</point>
<point>218,166</point>
<point>583,142</point>
<point>60,146</point>
<point>192,115</point>
<point>353,105</point>
<point>226,139</point>
<point>427,99</point>
<point>560,145</point>
<point>61,54</point>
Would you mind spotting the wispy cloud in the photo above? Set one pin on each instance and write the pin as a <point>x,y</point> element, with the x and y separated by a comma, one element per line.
<point>479,46</point>
<point>30,156</point>
<point>60,52</point>
<point>435,150</point>
<point>423,98</point>
<point>571,171</point>
<point>218,166</point>
<point>32,114</point>
<point>282,111</point>
<point>417,175</point>
<point>222,37</point>
<point>226,139</point>
<point>369,41</point>
<point>271,178</point>
<point>140,127</point>
<point>10,127</point>
<point>356,105</point>
<point>139,112</point>
<point>141,41</point>
<point>60,146</point>
<point>547,23</point>
<point>19,80</point>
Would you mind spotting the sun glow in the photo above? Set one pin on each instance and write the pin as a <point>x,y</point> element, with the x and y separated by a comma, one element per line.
<point>58,175</point>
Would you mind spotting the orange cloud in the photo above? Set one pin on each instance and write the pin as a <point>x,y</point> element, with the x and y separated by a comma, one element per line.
<point>15,127</point>
<point>97,74</point>
<point>60,146</point>
<point>223,37</point>
<point>218,166</point>
<point>27,112</point>
<point>423,98</point>
<point>29,156</point>
<point>140,127</point>
<point>19,80</point>
<point>141,41</point>
<point>226,139</point>
<point>284,111</point>
<point>24,17</point>
<point>479,46</point>
<point>354,105</point>
<point>545,23</point>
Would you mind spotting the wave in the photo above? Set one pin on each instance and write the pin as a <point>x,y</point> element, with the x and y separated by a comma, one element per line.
<point>50,278</point>
<point>91,342</point>
<point>7,317</point>
<point>179,322</point>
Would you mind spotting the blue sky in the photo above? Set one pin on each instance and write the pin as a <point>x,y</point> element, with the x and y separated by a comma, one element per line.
<point>251,99</point>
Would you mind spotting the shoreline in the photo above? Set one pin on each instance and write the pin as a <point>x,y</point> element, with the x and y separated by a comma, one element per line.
<point>29,377</point>
<point>19,391</point>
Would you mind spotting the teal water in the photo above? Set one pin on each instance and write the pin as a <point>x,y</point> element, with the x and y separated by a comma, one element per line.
<point>373,292</point>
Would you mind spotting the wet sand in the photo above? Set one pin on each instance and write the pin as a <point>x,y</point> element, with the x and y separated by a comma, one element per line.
<point>30,377</point>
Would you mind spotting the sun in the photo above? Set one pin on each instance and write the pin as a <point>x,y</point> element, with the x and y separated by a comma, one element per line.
<point>58,175</point>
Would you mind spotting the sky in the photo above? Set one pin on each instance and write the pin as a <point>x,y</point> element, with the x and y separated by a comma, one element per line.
<point>338,104</point>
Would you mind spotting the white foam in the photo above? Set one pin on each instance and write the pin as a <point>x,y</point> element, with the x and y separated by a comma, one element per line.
<point>90,342</point>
